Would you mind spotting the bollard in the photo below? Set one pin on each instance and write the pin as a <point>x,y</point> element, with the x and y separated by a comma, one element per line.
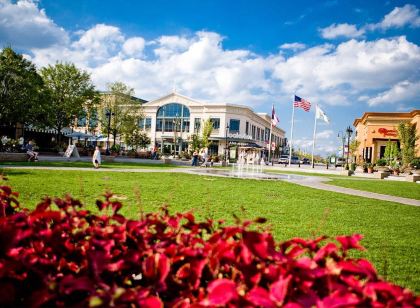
<point>299,163</point>
<point>327,165</point>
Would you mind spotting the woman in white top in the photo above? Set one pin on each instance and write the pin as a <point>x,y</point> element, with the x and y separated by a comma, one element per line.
<point>96,159</point>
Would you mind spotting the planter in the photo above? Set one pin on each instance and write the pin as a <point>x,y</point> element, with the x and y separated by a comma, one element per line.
<point>6,156</point>
<point>416,171</point>
<point>370,170</point>
<point>396,172</point>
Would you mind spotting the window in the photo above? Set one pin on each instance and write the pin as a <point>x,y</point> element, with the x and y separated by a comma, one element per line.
<point>173,115</point>
<point>81,121</point>
<point>148,124</point>
<point>197,125</point>
<point>215,122</point>
<point>267,134</point>
<point>246,128</point>
<point>159,125</point>
<point>93,119</point>
<point>234,126</point>
<point>185,125</point>
<point>253,131</point>
<point>258,133</point>
<point>145,123</point>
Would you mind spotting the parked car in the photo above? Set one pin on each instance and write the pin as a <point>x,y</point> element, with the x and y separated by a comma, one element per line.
<point>340,162</point>
<point>295,160</point>
<point>305,161</point>
<point>284,159</point>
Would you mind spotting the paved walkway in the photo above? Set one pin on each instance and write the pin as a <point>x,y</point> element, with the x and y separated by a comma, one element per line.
<point>308,181</point>
<point>318,183</point>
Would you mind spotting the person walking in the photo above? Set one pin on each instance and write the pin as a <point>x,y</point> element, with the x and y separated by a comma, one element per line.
<point>195,159</point>
<point>96,158</point>
<point>204,157</point>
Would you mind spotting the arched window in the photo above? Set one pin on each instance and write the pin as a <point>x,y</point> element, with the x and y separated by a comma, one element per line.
<point>173,117</point>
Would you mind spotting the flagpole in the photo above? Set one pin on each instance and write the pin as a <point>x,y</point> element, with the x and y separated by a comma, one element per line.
<point>313,141</point>
<point>291,133</point>
<point>269,142</point>
<point>269,138</point>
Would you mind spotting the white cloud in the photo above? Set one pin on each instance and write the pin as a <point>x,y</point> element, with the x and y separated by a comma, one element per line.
<point>133,46</point>
<point>293,46</point>
<point>334,75</point>
<point>341,30</point>
<point>400,17</point>
<point>402,92</point>
<point>326,134</point>
<point>23,25</point>
<point>199,66</point>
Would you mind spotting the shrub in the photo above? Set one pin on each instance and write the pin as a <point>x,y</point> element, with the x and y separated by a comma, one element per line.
<point>415,163</point>
<point>61,254</point>
<point>381,162</point>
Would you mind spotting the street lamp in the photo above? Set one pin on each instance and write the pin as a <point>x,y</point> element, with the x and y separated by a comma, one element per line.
<point>177,122</point>
<point>343,139</point>
<point>226,144</point>
<point>349,131</point>
<point>108,114</point>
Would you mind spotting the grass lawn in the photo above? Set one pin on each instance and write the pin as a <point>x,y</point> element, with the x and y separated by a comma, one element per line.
<point>387,187</point>
<point>392,231</point>
<point>85,164</point>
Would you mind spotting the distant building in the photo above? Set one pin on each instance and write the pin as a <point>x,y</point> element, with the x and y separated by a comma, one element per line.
<point>374,129</point>
<point>171,121</point>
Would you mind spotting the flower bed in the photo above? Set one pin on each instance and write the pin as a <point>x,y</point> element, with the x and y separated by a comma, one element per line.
<point>63,255</point>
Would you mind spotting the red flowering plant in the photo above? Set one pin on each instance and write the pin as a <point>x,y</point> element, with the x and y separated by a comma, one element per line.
<point>63,255</point>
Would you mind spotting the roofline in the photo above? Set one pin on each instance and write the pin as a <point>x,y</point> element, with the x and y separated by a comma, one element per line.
<point>384,114</point>
<point>133,97</point>
<point>206,104</point>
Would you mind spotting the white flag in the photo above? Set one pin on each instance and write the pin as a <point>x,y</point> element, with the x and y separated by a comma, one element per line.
<point>321,114</point>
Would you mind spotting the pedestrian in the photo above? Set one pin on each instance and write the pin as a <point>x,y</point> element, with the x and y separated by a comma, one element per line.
<point>154,150</point>
<point>204,157</point>
<point>96,158</point>
<point>195,159</point>
<point>33,156</point>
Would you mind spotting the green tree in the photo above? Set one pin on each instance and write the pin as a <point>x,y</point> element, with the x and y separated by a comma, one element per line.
<point>207,129</point>
<point>195,142</point>
<point>354,146</point>
<point>137,139</point>
<point>126,111</point>
<point>408,138</point>
<point>21,90</point>
<point>387,152</point>
<point>70,92</point>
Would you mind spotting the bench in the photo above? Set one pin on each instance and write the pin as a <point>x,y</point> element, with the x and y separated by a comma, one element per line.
<point>13,157</point>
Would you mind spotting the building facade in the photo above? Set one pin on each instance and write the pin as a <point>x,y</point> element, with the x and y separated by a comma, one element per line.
<point>172,120</point>
<point>374,129</point>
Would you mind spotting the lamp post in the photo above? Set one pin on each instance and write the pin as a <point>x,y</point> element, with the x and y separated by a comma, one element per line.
<point>349,131</point>
<point>176,122</point>
<point>226,144</point>
<point>108,114</point>
<point>343,139</point>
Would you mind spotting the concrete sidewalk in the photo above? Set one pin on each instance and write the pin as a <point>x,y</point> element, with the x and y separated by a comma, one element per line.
<point>319,183</point>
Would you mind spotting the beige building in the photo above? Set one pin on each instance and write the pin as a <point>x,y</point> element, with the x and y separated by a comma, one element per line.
<point>374,129</point>
<point>172,120</point>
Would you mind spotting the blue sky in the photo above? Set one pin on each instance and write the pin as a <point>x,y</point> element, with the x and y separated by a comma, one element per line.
<point>348,56</point>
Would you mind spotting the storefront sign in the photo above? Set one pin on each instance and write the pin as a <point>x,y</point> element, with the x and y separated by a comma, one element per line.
<point>239,136</point>
<point>388,132</point>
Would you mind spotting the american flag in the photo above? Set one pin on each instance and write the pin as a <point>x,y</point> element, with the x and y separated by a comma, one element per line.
<point>274,118</point>
<point>302,103</point>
